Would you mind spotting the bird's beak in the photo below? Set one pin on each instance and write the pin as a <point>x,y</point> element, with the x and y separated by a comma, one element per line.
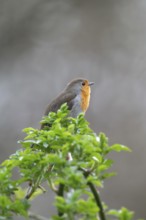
<point>91,83</point>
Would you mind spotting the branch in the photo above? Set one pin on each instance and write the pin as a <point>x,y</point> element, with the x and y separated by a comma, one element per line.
<point>30,191</point>
<point>60,193</point>
<point>86,173</point>
<point>98,201</point>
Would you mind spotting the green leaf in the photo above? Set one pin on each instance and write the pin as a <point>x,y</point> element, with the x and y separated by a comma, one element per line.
<point>107,175</point>
<point>119,147</point>
<point>67,152</point>
<point>122,214</point>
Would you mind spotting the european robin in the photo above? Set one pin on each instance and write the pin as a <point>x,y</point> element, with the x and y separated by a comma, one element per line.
<point>77,96</point>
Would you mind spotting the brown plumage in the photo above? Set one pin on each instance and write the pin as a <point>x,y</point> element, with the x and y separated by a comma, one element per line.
<point>77,96</point>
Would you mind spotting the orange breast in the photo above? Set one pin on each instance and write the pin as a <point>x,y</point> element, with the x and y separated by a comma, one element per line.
<point>85,97</point>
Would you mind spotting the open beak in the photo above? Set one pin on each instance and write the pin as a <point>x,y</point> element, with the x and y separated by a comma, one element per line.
<point>91,83</point>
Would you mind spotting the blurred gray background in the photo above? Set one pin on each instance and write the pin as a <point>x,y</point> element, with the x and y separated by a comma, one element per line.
<point>46,43</point>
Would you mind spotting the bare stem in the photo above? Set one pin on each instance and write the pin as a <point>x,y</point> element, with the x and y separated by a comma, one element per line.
<point>60,193</point>
<point>30,191</point>
<point>86,173</point>
<point>98,201</point>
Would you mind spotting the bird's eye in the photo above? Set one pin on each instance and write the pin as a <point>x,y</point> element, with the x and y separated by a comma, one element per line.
<point>83,83</point>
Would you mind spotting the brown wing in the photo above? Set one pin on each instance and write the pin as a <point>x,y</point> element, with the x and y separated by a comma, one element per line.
<point>61,99</point>
<point>56,104</point>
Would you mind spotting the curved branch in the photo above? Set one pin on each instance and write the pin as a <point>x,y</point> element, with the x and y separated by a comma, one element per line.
<point>86,173</point>
<point>98,201</point>
<point>60,193</point>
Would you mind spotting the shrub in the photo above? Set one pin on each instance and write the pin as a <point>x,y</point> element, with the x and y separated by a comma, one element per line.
<point>72,159</point>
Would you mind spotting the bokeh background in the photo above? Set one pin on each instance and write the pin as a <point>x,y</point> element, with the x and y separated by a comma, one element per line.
<point>46,43</point>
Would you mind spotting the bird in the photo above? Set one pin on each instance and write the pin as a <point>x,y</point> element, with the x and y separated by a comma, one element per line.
<point>77,96</point>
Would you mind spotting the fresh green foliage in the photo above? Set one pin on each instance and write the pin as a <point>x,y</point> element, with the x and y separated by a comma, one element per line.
<point>122,214</point>
<point>71,158</point>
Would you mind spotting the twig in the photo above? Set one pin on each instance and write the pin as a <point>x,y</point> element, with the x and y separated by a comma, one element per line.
<point>60,193</point>
<point>30,191</point>
<point>98,201</point>
<point>42,188</point>
<point>36,217</point>
<point>52,186</point>
<point>86,173</point>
